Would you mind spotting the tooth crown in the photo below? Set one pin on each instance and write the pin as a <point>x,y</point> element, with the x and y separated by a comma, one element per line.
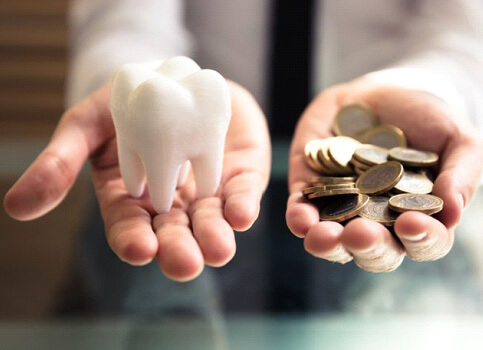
<point>165,117</point>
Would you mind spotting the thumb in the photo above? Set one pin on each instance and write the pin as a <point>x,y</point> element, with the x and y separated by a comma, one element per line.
<point>459,177</point>
<point>81,130</point>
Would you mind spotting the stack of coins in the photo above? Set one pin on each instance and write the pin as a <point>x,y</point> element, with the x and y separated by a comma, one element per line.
<point>367,170</point>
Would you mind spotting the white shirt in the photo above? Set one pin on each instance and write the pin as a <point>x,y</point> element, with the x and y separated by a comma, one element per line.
<point>435,45</point>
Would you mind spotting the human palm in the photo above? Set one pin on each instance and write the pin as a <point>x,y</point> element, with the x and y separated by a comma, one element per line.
<point>429,124</point>
<point>195,231</point>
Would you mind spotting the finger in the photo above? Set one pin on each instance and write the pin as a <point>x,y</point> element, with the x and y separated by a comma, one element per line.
<point>127,220</point>
<point>213,234</point>
<point>179,255</point>
<point>323,241</point>
<point>424,238</point>
<point>46,182</point>
<point>459,177</point>
<point>372,246</point>
<point>247,160</point>
<point>243,194</point>
<point>300,215</point>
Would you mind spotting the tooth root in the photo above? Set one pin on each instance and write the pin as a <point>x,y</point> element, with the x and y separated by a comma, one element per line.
<point>132,171</point>
<point>207,171</point>
<point>162,175</point>
<point>183,173</point>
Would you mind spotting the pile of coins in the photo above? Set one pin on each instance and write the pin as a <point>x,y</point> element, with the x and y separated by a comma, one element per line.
<point>368,171</point>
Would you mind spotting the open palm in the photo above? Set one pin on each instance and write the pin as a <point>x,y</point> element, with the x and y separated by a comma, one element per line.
<point>429,124</point>
<point>195,231</point>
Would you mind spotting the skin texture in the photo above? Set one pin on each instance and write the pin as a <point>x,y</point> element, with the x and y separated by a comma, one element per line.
<point>194,232</point>
<point>429,124</point>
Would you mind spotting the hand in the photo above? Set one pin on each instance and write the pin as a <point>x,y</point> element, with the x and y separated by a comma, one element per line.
<point>429,124</point>
<point>194,232</point>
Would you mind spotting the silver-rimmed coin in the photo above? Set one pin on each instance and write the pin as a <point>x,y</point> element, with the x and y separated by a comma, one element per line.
<point>377,209</point>
<point>414,183</point>
<point>413,157</point>
<point>425,203</point>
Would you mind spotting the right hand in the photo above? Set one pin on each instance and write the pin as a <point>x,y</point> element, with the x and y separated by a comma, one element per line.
<point>195,231</point>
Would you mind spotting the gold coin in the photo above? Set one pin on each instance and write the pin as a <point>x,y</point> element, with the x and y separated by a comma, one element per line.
<point>413,157</point>
<point>341,149</point>
<point>386,136</point>
<point>342,208</point>
<point>351,120</point>
<point>359,172</point>
<point>371,154</point>
<point>377,209</point>
<point>380,178</point>
<point>326,162</point>
<point>414,183</point>
<point>330,180</point>
<point>425,203</point>
<point>337,192</point>
<point>311,149</point>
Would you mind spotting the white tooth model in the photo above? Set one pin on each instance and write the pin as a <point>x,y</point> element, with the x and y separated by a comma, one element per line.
<point>165,118</point>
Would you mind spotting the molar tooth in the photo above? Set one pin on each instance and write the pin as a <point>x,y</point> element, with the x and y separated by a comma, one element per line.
<point>164,119</point>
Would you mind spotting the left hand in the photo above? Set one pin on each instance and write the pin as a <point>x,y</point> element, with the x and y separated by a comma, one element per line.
<point>429,124</point>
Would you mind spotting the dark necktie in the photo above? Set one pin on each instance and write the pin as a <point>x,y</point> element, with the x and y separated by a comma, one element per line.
<point>289,94</point>
<point>290,63</point>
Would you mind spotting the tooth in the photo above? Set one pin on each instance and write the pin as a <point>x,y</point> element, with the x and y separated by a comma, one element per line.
<point>166,119</point>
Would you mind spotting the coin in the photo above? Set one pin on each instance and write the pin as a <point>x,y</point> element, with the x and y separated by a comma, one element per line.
<point>371,154</point>
<point>353,119</point>
<point>342,208</point>
<point>308,190</point>
<point>414,183</point>
<point>413,157</point>
<point>377,209</point>
<point>326,161</point>
<point>329,180</point>
<point>341,149</point>
<point>380,178</point>
<point>337,192</point>
<point>387,136</point>
<point>360,165</point>
<point>425,203</point>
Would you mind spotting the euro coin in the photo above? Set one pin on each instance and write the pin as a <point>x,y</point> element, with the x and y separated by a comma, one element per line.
<point>380,178</point>
<point>337,192</point>
<point>377,209</point>
<point>329,180</point>
<point>413,157</point>
<point>360,165</point>
<point>342,208</point>
<point>425,203</point>
<point>353,120</point>
<point>341,149</point>
<point>371,154</point>
<point>310,151</point>
<point>387,136</point>
<point>414,183</point>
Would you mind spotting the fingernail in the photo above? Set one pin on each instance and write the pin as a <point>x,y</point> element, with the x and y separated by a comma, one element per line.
<point>416,238</point>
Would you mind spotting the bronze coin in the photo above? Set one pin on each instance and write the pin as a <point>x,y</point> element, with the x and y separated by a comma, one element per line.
<point>380,178</point>
<point>330,180</point>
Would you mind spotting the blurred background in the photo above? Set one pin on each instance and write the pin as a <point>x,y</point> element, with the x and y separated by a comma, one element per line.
<point>271,273</point>
<point>34,256</point>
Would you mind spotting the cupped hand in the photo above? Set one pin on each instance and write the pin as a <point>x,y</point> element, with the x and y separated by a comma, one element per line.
<point>429,124</point>
<point>195,231</point>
